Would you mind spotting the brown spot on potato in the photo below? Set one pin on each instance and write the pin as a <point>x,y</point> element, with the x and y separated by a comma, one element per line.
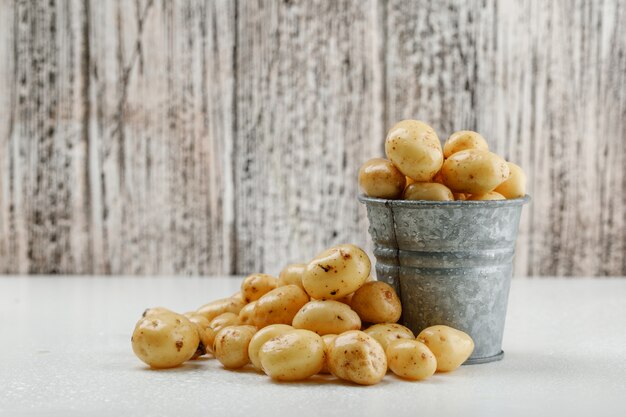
<point>179,345</point>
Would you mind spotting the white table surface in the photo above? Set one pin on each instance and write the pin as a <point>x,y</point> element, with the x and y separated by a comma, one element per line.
<point>65,351</point>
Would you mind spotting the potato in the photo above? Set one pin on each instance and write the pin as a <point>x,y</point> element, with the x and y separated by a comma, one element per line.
<point>379,178</point>
<point>231,346</point>
<point>225,320</point>
<point>292,356</point>
<point>257,285</point>
<point>428,191</point>
<point>464,139</point>
<point>451,347</point>
<point>355,356</point>
<point>328,339</point>
<point>165,340</point>
<point>515,185</point>
<point>206,341</point>
<point>217,307</point>
<point>410,359</point>
<point>377,302</point>
<point>385,333</point>
<point>291,275</point>
<point>326,317</point>
<point>279,306</point>
<point>336,272</point>
<point>154,311</point>
<point>262,336</point>
<point>491,195</point>
<point>246,315</point>
<point>461,196</point>
<point>414,148</point>
<point>474,171</point>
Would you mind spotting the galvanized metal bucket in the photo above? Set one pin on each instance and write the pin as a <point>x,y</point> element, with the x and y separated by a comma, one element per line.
<point>451,263</point>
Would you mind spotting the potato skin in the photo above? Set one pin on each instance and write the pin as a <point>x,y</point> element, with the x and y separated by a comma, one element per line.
<point>414,148</point>
<point>515,185</point>
<point>450,346</point>
<point>291,275</point>
<point>377,302</point>
<point>355,356</point>
<point>165,340</point>
<point>231,346</point>
<point>431,191</point>
<point>464,139</point>
<point>262,336</point>
<point>293,356</point>
<point>336,272</point>
<point>246,315</point>
<point>379,178</point>
<point>474,171</point>
<point>384,333</point>
<point>217,307</point>
<point>328,339</point>
<point>255,286</point>
<point>326,317</point>
<point>411,359</point>
<point>491,195</point>
<point>206,342</point>
<point>279,306</point>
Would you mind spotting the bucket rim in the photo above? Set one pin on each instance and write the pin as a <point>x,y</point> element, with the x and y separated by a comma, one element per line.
<point>456,203</point>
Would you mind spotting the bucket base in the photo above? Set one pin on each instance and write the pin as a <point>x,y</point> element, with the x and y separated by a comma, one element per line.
<point>476,361</point>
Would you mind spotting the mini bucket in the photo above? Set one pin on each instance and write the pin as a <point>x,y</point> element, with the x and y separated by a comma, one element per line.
<point>450,262</point>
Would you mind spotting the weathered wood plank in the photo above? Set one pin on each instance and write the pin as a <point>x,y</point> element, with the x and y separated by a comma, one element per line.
<point>544,82</point>
<point>120,145</point>
<point>306,120</point>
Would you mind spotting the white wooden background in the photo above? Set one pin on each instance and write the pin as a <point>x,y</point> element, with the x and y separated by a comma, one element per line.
<point>224,136</point>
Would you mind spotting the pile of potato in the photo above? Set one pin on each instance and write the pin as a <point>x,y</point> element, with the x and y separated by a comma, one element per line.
<point>327,316</point>
<point>418,168</point>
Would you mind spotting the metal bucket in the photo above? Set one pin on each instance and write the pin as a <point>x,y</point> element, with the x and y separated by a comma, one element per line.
<point>450,262</point>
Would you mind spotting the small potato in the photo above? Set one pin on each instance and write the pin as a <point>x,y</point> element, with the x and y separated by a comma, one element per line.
<point>262,336</point>
<point>491,195</point>
<point>279,306</point>
<point>217,324</point>
<point>328,339</point>
<point>154,311</point>
<point>291,275</point>
<point>165,340</point>
<point>326,317</point>
<point>217,307</point>
<point>379,178</point>
<point>431,191</point>
<point>461,196</point>
<point>385,333</point>
<point>377,302</point>
<point>451,347</point>
<point>206,341</point>
<point>464,139</point>
<point>411,359</point>
<point>336,272</point>
<point>225,320</point>
<point>355,356</point>
<point>414,148</point>
<point>474,171</point>
<point>293,356</point>
<point>231,346</point>
<point>515,185</point>
<point>257,285</point>
<point>246,315</point>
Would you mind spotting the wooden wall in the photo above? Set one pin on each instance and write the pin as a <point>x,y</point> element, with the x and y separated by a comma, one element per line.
<point>224,136</point>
